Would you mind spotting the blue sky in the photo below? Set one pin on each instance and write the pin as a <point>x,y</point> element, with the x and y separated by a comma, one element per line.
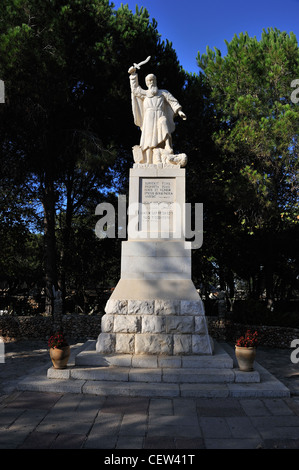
<point>191,25</point>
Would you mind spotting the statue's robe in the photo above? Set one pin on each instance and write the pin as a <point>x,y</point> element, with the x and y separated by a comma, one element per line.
<point>153,114</point>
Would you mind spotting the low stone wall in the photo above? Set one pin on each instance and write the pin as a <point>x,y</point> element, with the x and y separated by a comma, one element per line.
<point>272,336</point>
<point>83,327</point>
<point>75,327</point>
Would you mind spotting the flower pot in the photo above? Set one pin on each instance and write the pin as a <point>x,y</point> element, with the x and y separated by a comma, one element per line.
<point>60,357</point>
<point>245,357</point>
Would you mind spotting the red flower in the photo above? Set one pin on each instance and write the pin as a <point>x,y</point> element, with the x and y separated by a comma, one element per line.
<point>57,341</point>
<point>248,340</point>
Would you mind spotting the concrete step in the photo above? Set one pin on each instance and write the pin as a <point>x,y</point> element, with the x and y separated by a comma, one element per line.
<point>268,387</point>
<point>157,375</point>
<point>90,357</point>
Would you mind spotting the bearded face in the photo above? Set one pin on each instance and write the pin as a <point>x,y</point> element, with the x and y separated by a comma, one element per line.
<point>151,83</point>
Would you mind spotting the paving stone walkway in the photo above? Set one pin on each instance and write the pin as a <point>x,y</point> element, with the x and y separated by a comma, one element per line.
<point>43,420</point>
<point>40,420</point>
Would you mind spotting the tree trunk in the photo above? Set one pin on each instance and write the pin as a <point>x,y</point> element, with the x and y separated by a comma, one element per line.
<point>269,283</point>
<point>48,201</point>
<point>66,233</point>
<point>231,283</point>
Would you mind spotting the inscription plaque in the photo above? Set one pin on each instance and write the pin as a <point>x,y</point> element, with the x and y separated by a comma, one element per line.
<point>157,198</point>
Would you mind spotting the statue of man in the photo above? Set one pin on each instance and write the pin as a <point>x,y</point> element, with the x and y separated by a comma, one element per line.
<point>153,112</point>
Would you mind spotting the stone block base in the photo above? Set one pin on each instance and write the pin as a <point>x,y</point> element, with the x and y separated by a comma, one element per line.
<point>158,327</point>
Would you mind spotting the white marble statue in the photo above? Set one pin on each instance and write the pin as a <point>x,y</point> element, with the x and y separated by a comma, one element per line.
<point>154,111</point>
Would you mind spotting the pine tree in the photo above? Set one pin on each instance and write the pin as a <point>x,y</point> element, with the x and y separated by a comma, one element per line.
<point>257,139</point>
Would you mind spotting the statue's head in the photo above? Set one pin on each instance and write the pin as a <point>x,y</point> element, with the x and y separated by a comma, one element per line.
<point>151,80</point>
<point>151,83</point>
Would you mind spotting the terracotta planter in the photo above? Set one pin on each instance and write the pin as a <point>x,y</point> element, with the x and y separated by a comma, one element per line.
<point>60,357</point>
<point>245,357</point>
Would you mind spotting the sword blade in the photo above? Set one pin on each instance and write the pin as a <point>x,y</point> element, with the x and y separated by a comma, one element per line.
<point>142,63</point>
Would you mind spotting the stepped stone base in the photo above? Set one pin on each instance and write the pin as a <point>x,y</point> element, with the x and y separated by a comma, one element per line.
<point>129,375</point>
<point>161,370</point>
<point>158,327</point>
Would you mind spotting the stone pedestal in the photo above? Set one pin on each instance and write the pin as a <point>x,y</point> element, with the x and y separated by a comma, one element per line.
<point>155,308</point>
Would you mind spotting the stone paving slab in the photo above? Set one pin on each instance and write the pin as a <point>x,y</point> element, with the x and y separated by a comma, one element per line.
<point>33,420</point>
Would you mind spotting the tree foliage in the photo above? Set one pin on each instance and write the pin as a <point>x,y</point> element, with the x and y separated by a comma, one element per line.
<point>65,124</point>
<point>257,141</point>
